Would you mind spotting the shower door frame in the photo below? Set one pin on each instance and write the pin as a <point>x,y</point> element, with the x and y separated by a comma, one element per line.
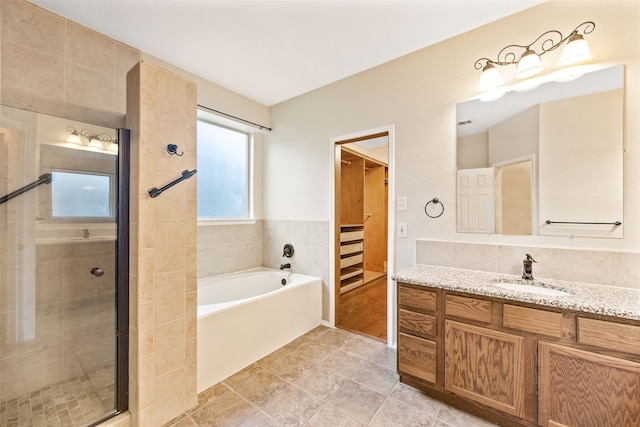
<point>122,276</point>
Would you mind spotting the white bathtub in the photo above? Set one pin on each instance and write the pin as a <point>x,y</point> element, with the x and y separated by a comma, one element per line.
<point>242,317</point>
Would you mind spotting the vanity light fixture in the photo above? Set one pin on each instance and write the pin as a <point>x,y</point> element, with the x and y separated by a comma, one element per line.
<point>87,137</point>
<point>527,58</point>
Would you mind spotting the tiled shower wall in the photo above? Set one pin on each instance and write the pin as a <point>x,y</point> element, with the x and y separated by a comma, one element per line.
<point>578,265</point>
<point>161,107</point>
<point>54,66</point>
<point>229,248</point>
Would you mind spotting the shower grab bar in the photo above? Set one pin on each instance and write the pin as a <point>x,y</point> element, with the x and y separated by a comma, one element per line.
<point>43,179</point>
<point>616,223</point>
<point>186,174</point>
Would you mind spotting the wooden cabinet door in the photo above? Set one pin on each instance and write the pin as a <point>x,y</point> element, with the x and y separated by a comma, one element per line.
<point>579,388</point>
<point>485,366</point>
<point>417,357</point>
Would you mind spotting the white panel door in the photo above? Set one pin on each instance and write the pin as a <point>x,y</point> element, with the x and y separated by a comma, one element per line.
<point>475,201</point>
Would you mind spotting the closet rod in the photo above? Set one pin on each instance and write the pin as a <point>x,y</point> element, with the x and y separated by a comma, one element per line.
<point>237,118</point>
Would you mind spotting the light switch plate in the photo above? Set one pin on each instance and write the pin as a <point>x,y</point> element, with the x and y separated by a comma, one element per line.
<point>402,229</point>
<point>402,204</point>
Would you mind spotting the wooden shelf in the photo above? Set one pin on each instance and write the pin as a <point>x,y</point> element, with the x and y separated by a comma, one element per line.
<point>351,256</point>
<point>349,272</point>
<point>349,284</point>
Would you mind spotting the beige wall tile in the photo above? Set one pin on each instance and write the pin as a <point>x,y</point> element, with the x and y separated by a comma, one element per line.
<point>89,49</point>
<point>169,346</point>
<point>170,396</point>
<point>192,268</point>
<point>133,359</point>
<point>146,379</point>
<point>171,205</point>
<point>169,259</point>
<point>126,58</point>
<point>32,80</point>
<point>170,234</point>
<point>627,271</point>
<point>169,291</point>
<point>146,416</point>
<point>191,383</point>
<point>191,315</point>
<point>172,100</point>
<point>78,281</point>
<point>145,329</point>
<point>146,275</point>
<point>165,229</point>
<point>33,27</point>
<point>93,95</point>
<point>49,283</point>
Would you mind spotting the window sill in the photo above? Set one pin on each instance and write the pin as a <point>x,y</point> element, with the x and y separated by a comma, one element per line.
<point>229,221</point>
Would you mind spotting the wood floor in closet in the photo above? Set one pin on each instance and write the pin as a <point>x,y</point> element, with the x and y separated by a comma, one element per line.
<point>364,309</point>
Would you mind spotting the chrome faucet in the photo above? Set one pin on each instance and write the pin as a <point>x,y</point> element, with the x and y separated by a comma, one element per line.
<point>283,266</point>
<point>527,272</point>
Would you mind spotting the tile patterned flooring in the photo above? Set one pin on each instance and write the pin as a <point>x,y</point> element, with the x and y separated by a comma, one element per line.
<point>71,403</point>
<point>325,378</point>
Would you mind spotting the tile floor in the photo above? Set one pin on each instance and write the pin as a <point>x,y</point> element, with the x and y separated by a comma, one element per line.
<point>326,378</point>
<point>72,403</point>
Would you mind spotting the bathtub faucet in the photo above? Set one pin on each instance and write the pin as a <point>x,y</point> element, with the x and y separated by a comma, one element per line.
<point>283,266</point>
<point>287,251</point>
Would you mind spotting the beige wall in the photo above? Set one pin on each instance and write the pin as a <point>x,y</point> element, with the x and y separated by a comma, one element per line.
<point>418,94</point>
<point>515,137</point>
<point>472,151</point>
<point>581,164</point>
<point>161,106</point>
<point>54,66</point>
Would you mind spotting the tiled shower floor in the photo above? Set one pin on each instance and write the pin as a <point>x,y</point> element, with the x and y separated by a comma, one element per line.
<point>72,403</point>
<point>326,378</point>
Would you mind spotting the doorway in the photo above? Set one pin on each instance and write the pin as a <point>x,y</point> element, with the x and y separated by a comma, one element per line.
<point>362,254</point>
<point>63,270</point>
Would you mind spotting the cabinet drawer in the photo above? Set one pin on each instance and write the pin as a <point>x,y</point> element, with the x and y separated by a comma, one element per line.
<point>348,236</point>
<point>417,298</point>
<point>532,320</point>
<point>609,335</point>
<point>417,323</point>
<point>417,357</point>
<point>349,261</point>
<point>351,248</point>
<point>468,308</point>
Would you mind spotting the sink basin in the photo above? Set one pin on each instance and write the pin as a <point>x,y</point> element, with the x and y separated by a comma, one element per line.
<point>519,286</point>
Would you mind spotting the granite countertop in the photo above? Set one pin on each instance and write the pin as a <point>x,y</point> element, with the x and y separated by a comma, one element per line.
<point>586,297</point>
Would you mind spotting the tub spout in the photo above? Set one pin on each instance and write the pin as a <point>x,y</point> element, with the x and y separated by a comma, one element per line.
<point>283,266</point>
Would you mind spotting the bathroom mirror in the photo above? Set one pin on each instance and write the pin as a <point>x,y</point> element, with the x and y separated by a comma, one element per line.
<point>547,161</point>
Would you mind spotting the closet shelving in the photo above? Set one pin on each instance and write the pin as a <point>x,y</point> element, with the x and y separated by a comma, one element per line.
<point>351,256</point>
<point>362,241</point>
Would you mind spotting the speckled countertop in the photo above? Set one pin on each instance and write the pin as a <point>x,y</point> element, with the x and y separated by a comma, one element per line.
<point>586,297</point>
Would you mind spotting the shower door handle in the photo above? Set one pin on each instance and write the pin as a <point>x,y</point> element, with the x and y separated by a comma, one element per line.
<point>97,271</point>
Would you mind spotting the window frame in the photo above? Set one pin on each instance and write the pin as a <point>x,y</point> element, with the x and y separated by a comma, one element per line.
<point>214,120</point>
<point>79,219</point>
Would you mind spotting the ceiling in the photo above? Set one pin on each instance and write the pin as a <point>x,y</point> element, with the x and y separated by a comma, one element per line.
<point>274,50</point>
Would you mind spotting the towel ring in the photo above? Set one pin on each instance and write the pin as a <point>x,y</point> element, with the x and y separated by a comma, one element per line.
<point>435,201</point>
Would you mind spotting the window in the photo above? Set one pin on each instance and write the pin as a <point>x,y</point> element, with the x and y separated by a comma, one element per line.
<point>81,195</point>
<point>223,172</point>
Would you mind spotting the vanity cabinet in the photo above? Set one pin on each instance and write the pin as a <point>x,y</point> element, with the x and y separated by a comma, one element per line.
<point>485,366</point>
<point>586,388</point>
<point>519,364</point>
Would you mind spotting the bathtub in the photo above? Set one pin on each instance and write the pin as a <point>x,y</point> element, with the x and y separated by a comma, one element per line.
<point>244,316</point>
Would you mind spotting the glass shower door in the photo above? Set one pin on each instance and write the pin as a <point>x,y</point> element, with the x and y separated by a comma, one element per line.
<point>58,271</point>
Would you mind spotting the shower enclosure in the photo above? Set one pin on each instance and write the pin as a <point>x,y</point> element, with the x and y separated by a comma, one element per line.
<point>63,270</point>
